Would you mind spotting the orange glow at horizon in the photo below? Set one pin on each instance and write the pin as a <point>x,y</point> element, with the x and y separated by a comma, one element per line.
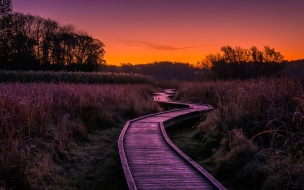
<point>185,57</point>
<point>140,55</point>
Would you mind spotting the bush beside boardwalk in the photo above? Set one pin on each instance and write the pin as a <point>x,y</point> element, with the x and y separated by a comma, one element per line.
<point>254,137</point>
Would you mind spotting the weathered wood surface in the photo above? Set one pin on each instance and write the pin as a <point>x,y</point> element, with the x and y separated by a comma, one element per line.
<point>151,161</point>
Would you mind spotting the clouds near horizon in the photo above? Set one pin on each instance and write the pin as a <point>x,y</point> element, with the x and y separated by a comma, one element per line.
<point>149,45</point>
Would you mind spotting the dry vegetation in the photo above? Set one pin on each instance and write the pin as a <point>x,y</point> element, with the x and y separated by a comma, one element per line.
<point>74,77</point>
<point>254,138</point>
<point>64,136</point>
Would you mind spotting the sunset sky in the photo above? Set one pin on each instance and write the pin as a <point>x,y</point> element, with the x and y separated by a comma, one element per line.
<point>143,31</point>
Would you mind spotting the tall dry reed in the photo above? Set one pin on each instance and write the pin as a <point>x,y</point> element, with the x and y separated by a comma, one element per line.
<point>40,123</point>
<point>260,121</point>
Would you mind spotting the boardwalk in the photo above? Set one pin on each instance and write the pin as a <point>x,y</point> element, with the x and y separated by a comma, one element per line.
<point>151,161</point>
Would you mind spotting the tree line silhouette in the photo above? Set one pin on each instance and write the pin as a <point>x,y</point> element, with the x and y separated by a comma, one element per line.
<point>243,63</point>
<point>29,42</point>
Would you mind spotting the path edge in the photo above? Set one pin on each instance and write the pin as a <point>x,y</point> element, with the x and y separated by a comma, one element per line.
<point>204,172</point>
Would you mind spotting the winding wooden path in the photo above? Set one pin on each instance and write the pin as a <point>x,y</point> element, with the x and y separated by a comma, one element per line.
<point>151,161</point>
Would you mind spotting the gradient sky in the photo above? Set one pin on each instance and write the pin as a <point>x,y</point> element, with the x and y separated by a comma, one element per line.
<point>143,31</point>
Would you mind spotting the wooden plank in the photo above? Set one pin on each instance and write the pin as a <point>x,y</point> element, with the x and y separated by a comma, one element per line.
<point>151,162</point>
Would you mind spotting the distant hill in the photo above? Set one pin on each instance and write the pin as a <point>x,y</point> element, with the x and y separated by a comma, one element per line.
<point>183,71</point>
<point>160,70</point>
<point>295,68</point>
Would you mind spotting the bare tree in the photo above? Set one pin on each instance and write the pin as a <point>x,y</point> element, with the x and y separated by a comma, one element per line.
<point>5,26</point>
<point>244,63</point>
<point>5,7</point>
<point>33,43</point>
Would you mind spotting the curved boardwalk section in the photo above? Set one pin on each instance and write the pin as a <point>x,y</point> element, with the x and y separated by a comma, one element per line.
<point>151,161</point>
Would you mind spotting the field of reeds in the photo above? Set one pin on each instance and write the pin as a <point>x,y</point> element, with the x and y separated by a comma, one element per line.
<point>73,77</point>
<point>59,130</point>
<point>254,138</point>
<point>64,136</point>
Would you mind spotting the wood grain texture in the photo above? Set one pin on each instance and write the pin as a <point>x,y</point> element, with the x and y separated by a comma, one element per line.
<point>151,161</point>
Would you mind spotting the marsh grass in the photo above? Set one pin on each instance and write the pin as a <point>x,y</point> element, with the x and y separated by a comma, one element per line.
<point>74,77</point>
<point>180,135</point>
<point>53,135</point>
<point>255,136</point>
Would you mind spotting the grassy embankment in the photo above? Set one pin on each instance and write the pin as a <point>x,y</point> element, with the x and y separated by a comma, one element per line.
<point>254,138</point>
<point>64,136</point>
<point>73,77</point>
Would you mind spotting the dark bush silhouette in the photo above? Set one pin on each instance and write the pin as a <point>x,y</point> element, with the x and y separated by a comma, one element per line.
<point>34,43</point>
<point>243,63</point>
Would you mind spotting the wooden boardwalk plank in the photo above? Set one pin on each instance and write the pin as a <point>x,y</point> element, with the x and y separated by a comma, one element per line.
<point>151,161</point>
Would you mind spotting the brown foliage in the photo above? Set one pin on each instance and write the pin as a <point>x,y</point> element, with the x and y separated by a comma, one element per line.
<point>254,117</point>
<point>40,123</point>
